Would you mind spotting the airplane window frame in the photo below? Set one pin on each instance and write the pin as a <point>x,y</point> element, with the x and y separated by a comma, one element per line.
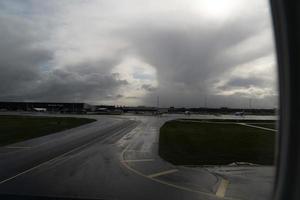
<point>286,30</point>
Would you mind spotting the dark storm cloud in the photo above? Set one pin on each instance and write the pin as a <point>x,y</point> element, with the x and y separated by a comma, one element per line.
<point>148,87</point>
<point>26,75</point>
<point>26,71</point>
<point>83,82</point>
<point>20,55</point>
<point>78,85</point>
<point>56,51</point>
<point>189,60</point>
<point>186,57</point>
<point>239,82</point>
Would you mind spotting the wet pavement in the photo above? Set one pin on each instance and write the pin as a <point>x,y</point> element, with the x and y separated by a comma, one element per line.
<point>116,157</point>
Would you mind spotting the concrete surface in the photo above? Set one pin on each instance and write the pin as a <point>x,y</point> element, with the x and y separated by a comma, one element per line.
<point>116,157</point>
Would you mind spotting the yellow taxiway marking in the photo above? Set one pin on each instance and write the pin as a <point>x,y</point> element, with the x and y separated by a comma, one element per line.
<point>162,173</point>
<point>141,160</point>
<point>222,188</point>
<point>125,164</point>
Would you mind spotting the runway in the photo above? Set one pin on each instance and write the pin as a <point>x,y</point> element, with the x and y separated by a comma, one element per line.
<point>116,157</point>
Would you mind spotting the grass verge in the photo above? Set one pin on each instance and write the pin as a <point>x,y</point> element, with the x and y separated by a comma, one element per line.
<point>200,143</point>
<point>18,128</point>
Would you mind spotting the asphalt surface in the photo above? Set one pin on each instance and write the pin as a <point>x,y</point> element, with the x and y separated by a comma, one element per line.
<point>116,157</point>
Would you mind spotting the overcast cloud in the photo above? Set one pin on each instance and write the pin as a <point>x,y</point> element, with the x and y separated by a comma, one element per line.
<point>129,52</point>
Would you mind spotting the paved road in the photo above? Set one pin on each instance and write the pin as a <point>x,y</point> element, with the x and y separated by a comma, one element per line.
<point>116,158</point>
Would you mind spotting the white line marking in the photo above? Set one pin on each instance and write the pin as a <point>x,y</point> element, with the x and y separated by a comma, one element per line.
<point>207,122</point>
<point>259,127</point>
<point>222,188</point>
<point>162,173</point>
<point>48,161</point>
<point>24,172</point>
<point>116,133</point>
<point>53,159</point>
<point>141,160</point>
<point>138,151</point>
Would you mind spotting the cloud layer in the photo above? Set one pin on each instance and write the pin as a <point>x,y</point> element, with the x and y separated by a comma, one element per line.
<point>130,52</point>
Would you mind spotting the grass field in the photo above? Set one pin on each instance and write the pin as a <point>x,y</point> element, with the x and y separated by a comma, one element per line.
<point>202,143</point>
<point>18,128</point>
<point>248,121</point>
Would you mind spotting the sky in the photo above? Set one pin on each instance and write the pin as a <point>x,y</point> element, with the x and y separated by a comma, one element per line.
<point>215,53</point>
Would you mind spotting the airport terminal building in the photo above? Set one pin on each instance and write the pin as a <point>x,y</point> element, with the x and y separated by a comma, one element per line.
<point>46,107</point>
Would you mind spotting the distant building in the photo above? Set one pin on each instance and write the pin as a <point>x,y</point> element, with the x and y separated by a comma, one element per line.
<point>46,106</point>
<point>139,109</point>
